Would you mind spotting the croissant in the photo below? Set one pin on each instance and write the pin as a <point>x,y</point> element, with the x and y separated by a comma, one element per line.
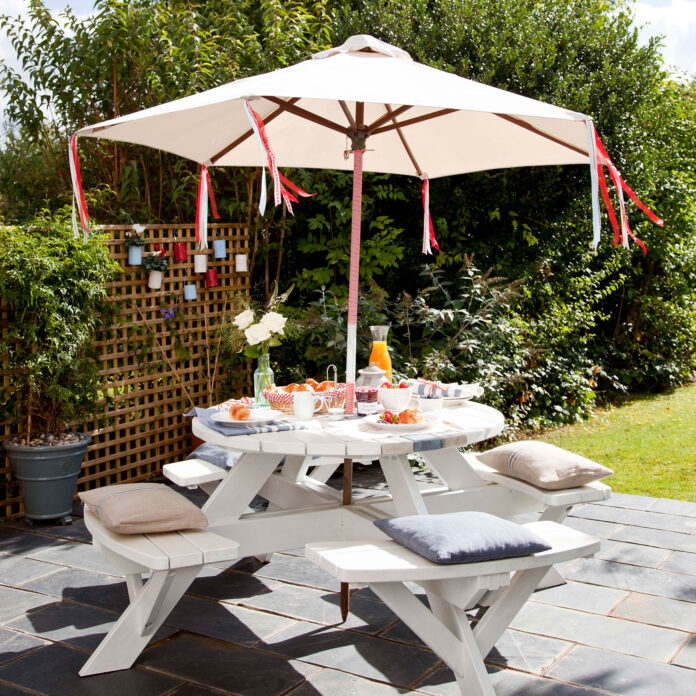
<point>239,412</point>
<point>411,415</point>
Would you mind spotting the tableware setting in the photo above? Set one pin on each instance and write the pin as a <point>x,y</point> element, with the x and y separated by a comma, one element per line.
<point>377,421</point>
<point>258,416</point>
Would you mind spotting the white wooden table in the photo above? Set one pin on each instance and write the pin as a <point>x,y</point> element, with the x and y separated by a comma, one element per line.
<point>303,509</point>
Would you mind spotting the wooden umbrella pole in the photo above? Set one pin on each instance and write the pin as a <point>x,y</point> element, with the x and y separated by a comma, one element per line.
<point>347,500</point>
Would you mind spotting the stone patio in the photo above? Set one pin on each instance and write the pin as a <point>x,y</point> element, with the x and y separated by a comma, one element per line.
<point>624,624</point>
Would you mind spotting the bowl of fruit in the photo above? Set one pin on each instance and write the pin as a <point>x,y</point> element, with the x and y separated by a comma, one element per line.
<point>394,397</point>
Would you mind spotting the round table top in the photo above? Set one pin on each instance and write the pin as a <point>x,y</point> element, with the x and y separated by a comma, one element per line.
<point>457,426</point>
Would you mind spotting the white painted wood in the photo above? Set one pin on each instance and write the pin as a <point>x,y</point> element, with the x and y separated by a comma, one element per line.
<point>134,583</point>
<point>453,468</point>
<point>388,561</point>
<point>403,485</point>
<point>192,472</point>
<point>236,491</point>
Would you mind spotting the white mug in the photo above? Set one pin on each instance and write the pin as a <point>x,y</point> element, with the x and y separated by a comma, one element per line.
<point>305,404</point>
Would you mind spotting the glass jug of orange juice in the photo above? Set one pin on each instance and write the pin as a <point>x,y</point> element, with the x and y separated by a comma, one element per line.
<point>380,353</point>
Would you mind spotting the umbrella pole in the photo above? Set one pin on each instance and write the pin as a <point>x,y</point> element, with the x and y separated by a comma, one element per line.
<point>353,279</point>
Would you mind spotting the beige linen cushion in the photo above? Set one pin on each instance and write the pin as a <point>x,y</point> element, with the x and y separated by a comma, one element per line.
<point>544,465</point>
<point>143,508</point>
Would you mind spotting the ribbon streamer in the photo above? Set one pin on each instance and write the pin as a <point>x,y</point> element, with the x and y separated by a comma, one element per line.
<point>279,181</point>
<point>622,232</point>
<point>205,190</point>
<point>78,194</point>
<point>429,241</point>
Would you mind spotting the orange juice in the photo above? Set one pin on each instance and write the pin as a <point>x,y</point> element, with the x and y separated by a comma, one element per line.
<point>380,357</point>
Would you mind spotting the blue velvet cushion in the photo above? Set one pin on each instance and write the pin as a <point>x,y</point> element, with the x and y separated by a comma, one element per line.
<point>462,537</point>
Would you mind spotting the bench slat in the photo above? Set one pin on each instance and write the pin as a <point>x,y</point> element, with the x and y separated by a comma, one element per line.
<point>193,472</point>
<point>388,561</point>
<point>181,552</point>
<point>135,547</point>
<point>215,548</point>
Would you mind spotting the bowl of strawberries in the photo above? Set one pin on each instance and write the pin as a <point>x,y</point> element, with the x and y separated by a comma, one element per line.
<point>394,397</point>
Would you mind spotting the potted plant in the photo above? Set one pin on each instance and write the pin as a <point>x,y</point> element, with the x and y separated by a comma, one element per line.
<point>156,262</point>
<point>53,286</point>
<point>134,243</point>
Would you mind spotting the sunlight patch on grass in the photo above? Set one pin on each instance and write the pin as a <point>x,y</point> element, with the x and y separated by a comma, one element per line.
<point>649,442</point>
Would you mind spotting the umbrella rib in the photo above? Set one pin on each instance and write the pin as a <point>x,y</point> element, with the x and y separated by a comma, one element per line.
<point>249,133</point>
<point>412,121</point>
<point>528,126</point>
<point>349,116</point>
<point>314,118</point>
<point>402,137</point>
<point>390,114</point>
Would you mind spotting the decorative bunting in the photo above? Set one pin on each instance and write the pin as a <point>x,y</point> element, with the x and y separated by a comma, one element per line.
<point>429,241</point>
<point>279,181</point>
<point>205,190</point>
<point>78,193</point>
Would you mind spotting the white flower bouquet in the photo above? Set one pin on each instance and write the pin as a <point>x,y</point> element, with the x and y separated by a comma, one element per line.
<point>260,335</point>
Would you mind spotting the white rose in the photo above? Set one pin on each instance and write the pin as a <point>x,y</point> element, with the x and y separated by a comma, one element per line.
<point>256,334</point>
<point>274,322</point>
<point>246,318</point>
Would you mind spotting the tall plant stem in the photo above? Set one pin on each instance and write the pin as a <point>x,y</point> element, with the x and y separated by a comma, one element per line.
<point>166,357</point>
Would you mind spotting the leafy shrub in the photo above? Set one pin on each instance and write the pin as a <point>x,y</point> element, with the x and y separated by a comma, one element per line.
<point>52,286</point>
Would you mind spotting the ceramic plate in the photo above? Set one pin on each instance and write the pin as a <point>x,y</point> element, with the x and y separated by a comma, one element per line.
<point>256,417</point>
<point>398,427</point>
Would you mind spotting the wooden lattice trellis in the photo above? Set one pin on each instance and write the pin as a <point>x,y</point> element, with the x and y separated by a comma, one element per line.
<point>143,425</point>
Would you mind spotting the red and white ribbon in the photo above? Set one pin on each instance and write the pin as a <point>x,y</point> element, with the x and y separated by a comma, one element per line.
<point>279,181</point>
<point>623,230</point>
<point>78,193</point>
<point>433,385</point>
<point>205,190</point>
<point>429,241</point>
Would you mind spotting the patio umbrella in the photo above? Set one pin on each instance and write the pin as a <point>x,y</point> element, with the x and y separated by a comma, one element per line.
<point>416,120</point>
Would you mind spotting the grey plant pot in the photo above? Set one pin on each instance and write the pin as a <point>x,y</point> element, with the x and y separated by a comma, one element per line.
<point>47,476</point>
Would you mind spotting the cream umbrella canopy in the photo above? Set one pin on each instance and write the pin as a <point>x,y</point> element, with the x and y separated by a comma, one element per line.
<point>417,121</point>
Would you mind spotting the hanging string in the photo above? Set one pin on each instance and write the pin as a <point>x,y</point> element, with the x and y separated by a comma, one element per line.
<point>279,181</point>
<point>78,199</point>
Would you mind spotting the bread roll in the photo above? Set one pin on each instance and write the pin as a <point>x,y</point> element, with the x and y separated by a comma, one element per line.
<point>239,412</point>
<point>411,415</point>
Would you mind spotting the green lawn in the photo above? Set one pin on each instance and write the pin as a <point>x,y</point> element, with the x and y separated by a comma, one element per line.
<point>649,442</point>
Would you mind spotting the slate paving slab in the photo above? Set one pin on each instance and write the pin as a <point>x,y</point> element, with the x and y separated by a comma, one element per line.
<point>581,596</point>
<point>675,507</point>
<point>19,544</point>
<point>632,502</point>
<point>626,577</point>
<point>194,690</point>
<point>291,569</point>
<point>75,530</point>
<point>680,562</point>
<point>622,674</point>
<point>330,682</point>
<point>53,671</point>
<point>77,555</point>
<point>687,655</point>
<point>224,666</point>
<point>16,569</point>
<point>230,586</point>
<point>14,644</point>
<point>658,611</point>
<point>505,682</point>
<point>610,633</point>
<point>226,621</point>
<point>637,518</point>
<point>359,654</point>
<point>657,537</point>
<point>602,530</point>
<point>322,607</point>
<point>84,587</point>
<point>14,602</point>
<point>66,622</point>
<point>633,554</point>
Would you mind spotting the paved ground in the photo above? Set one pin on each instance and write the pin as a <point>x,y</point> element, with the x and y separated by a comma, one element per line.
<point>624,624</point>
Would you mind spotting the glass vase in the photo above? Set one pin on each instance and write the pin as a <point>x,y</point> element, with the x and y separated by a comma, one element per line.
<point>263,377</point>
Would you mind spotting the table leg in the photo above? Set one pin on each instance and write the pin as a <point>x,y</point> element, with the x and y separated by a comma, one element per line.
<point>403,485</point>
<point>347,500</point>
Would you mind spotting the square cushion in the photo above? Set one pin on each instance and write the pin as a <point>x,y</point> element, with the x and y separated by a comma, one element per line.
<point>462,537</point>
<point>143,508</point>
<point>543,465</point>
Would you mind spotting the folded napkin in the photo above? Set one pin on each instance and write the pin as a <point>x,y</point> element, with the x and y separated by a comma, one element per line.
<point>423,387</point>
<point>204,415</point>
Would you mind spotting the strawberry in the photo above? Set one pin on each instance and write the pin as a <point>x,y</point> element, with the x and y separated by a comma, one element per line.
<point>387,416</point>
<point>403,385</point>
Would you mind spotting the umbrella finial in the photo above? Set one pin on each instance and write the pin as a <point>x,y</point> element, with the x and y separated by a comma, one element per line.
<point>364,43</point>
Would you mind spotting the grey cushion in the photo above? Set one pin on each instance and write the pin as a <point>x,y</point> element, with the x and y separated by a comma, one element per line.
<point>544,465</point>
<point>462,537</point>
<point>143,508</point>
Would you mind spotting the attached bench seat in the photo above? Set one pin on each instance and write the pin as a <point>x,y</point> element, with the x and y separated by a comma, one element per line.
<point>502,585</point>
<point>173,559</point>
